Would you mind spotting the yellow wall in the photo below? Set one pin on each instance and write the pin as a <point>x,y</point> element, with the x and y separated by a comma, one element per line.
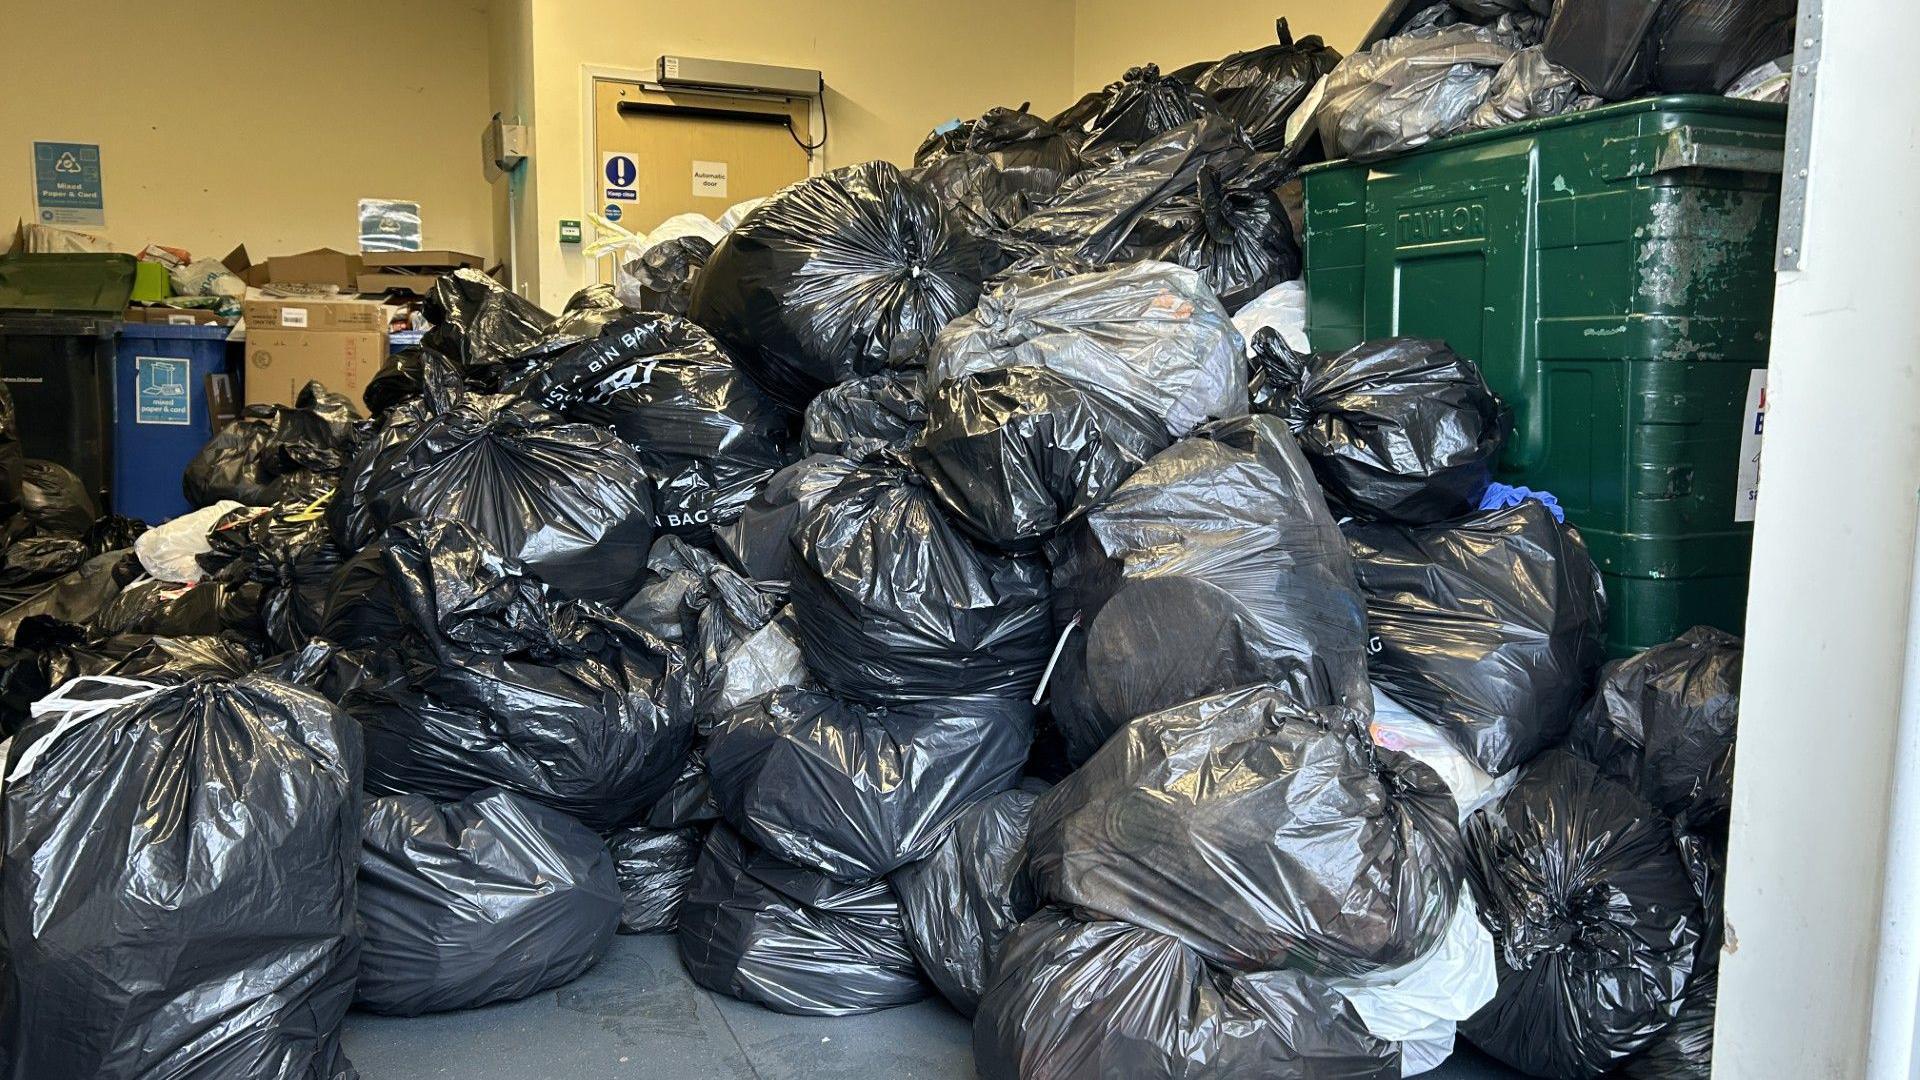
<point>893,69</point>
<point>1110,36</point>
<point>261,123</point>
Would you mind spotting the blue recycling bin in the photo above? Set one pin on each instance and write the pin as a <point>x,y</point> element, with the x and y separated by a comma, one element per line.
<point>161,416</point>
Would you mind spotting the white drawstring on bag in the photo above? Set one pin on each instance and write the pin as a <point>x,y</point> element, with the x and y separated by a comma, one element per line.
<point>74,712</point>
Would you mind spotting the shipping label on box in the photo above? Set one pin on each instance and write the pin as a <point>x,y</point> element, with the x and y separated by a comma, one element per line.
<point>314,314</point>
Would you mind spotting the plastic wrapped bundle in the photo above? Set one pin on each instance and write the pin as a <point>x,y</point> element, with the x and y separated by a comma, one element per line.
<point>572,501</point>
<point>1593,916</point>
<point>758,542</point>
<point>857,792</point>
<point>1262,833</point>
<point>864,417</point>
<point>1663,723</point>
<point>997,168</point>
<point>654,869</point>
<point>496,683</point>
<point>222,944</point>
<point>1214,567</point>
<point>894,603</point>
<point>1398,429</point>
<point>1074,1000</point>
<point>708,437</point>
<point>275,454</point>
<point>1490,627</point>
<point>1408,90</point>
<point>838,277</point>
<point>1142,105</point>
<point>792,940</point>
<point>1017,452</point>
<point>1527,87</point>
<point>1199,196</point>
<point>969,893</point>
<point>1150,336</point>
<point>1261,88</point>
<point>492,898</point>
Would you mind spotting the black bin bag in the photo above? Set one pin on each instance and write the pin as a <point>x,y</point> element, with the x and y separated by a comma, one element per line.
<point>706,435</point>
<point>286,551</point>
<point>661,277</point>
<point>996,169</point>
<point>969,893</point>
<point>219,943</point>
<point>571,500</point>
<point>1091,1000</point>
<point>1397,429</point>
<point>1490,627</point>
<point>1663,722</point>
<point>1412,88</point>
<point>1215,566</point>
<point>792,940</point>
<point>496,338</point>
<point>1594,921</point>
<point>858,792</point>
<point>47,652</point>
<point>492,898</point>
<point>654,869</point>
<point>1199,196</point>
<point>894,603</point>
<point>1052,392</point>
<point>1142,105</point>
<point>864,417</point>
<point>1261,833</point>
<point>494,682</point>
<point>757,542</point>
<point>1619,48</point>
<point>274,453</point>
<point>838,277</point>
<point>54,499</point>
<point>1262,87</point>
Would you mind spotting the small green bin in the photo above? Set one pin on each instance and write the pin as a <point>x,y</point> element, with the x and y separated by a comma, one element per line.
<point>1612,273</point>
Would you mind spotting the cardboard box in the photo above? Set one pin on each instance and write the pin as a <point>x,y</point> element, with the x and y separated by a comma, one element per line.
<point>438,261</point>
<point>417,284</point>
<point>169,316</point>
<point>280,362</point>
<point>321,315</point>
<point>321,266</point>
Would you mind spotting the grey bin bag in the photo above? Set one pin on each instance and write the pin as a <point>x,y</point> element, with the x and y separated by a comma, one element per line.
<point>176,896</point>
<point>492,898</point>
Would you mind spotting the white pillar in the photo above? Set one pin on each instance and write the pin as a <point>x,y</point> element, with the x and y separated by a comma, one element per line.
<point>1833,568</point>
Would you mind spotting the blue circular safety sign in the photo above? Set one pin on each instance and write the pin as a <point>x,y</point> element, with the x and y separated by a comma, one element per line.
<point>621,170</point>
<point>613,212</point>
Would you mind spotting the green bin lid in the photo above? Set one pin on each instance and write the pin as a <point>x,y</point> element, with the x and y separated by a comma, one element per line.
<point>66,284</point>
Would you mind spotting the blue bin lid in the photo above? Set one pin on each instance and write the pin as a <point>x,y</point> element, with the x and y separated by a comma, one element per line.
<point>196,332</point>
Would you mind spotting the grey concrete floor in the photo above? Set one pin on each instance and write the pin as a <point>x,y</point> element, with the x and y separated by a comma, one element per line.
<point>636,1014</point>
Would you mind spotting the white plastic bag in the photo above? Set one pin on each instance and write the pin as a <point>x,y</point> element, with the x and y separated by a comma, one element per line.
<point>1420,1004</point>
<point>168,551</point>
<point>1283,307</point>
<point>1396,728</point>
<point>206,277</point>
<point>680,225</point>
<point>738,212</point>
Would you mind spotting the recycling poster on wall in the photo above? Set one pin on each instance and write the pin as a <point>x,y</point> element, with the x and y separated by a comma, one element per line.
<point>66,184</point>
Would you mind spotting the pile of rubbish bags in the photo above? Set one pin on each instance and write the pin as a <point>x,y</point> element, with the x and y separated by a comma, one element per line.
<point>960,581</point>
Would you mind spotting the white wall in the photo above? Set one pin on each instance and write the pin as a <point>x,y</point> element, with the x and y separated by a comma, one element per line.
<point>1110,36</point>
<point>1832,567</point>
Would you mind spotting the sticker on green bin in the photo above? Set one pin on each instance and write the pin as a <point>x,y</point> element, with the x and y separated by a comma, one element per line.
<point>164,390</point>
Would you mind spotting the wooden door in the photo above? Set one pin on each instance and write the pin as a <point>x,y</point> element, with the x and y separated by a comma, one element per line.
<point>660,152</point>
